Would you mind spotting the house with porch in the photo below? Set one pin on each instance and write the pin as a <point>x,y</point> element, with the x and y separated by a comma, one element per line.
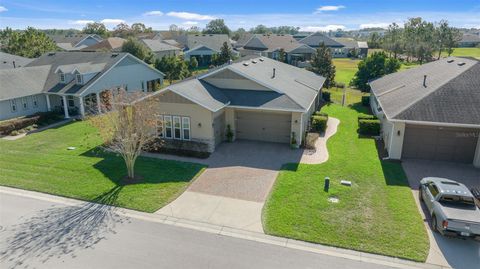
<point>254,99</point>
<point>339,47</point>
<point>203,46</point>
<point>73,83</point>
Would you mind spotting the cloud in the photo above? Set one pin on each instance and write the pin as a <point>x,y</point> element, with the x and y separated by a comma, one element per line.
<point>153,13</point>
<point>80,22</point>
<point>190,16</point>
<point>383,25</point>
<point>3,9</point>
<point>112,21</point>
<point>326,28</point>
<point>328,8</point>
<point>190,23</point>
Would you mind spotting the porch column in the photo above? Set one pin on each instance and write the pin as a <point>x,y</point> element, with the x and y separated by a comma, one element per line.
<point>82,108</point>
<point>47,97</point>
<point>65,106</point>
<point>98,103</point>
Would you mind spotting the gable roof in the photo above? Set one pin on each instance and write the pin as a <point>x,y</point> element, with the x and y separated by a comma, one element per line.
<point>451,93</point>
<point>6,61</point>
<point>315,39</point>
<point>70,42</point>
<point>214,42</point>
<point>271,42</point>
<point>292,88</point>
<point>109,44</point>
<point>20,82</point>
<point>157,45</point>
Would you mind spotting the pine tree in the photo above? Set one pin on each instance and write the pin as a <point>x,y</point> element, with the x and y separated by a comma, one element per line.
<point>322,64</point>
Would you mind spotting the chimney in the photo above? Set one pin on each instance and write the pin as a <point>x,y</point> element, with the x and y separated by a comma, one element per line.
<point>13,64</point>
<point>273,76</point>
<point>425,81</point>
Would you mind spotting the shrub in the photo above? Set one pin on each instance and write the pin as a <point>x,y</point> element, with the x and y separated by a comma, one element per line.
<point>319,123</point>
<point>326,96</point>
<point>318,113</point>
<point>14,133</point>
<point>366,117</point>
<point>6,127</point>
<point>369,127</point>
<point>340,85</point>
<point>366,100</point>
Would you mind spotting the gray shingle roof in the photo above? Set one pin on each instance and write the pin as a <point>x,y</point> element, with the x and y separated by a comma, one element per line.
<point>273,42</point>
<point>23,81</point>
<point>470,38</point>
<point>214,42</point>
<point>201,93</point>
<point>6,60</point>
<point>157,45</point>
<point>315,39</point>
<point>451,93</point>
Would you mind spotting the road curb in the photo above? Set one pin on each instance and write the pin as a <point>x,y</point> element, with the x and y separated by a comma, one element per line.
<point>236,233</point>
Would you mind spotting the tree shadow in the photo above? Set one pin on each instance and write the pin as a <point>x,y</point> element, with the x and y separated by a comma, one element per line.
<point>57,232</point>
<point>360,108</point>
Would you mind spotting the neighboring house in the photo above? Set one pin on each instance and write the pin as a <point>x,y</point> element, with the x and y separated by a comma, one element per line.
<point>469,40</point>
<point>257,99</point>
<point>10,61</point>
<point>203,46</point>
<point>340,48</point>
<point>76,42</point>
<point>269,45</point>
<point>161,48</point>
<point>78,81</point>
<point>431,111</point>
<point>112,44</point>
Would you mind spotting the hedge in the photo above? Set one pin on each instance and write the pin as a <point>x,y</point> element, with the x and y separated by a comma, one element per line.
<point>44,118</point>
<point>319,123</point>
<point>318,113</point>
<point>369,127</point>
<point>366,100</point>
<point>366,117</point>
<point>326,96</point>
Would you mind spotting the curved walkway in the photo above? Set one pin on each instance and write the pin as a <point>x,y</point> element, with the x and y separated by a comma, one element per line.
<point>320,153</point>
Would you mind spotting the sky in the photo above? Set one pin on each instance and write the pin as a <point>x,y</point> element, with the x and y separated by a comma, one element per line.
<point>309,15</point>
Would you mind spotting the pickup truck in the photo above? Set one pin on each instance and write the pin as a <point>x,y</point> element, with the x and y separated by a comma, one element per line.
<point>451,206</point>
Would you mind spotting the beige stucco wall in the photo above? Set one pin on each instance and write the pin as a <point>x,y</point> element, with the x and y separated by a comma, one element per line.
<point>230,120</point>
<point>476,160</point>
<point>395,145</point>
<point>297,120</point>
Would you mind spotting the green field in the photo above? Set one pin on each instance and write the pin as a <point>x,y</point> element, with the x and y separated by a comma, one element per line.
<point>41,162</point>
<point>377,214</point>
<point>465,52</point>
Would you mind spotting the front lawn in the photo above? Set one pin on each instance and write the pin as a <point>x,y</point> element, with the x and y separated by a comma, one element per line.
<point>377,214</point>
<point>345,69</point>
<point>41,162</point>
<point>465,52</point>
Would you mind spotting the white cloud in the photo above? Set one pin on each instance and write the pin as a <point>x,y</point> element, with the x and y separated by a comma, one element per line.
<point>383,25</point>
<point>3,9</point>
<point>190,23</point>
<point>329,8</point>
<point>190,16</point>
<point>80,22</point>
<point>153,13</point>
<point>326,28</point>
<point>112,21</point>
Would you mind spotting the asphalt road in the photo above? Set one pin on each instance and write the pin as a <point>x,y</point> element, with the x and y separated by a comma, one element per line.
<point>40,234</point>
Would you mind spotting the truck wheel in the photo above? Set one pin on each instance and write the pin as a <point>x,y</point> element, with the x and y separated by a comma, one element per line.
<point>434,224</point>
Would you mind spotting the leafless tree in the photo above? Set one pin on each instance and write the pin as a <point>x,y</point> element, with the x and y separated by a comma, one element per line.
<point>128,126</point>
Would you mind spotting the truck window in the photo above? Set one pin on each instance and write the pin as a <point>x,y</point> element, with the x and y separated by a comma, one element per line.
<point>433,189</point>
<point>457,200</point>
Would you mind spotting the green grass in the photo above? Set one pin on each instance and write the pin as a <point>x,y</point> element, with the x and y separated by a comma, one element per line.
<point>465,52</point>
<point>41,162</point>
<point>377,214</point>
<point>345,70</point>
<point>352,95</point>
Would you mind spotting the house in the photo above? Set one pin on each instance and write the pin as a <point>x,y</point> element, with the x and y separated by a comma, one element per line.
<point>269,45</point>
<point>78,81</point>
<point>75,42</point>
<point>469,40</point>
<point>257,99</point>
<point>9,61</point>
<point>431,111</point>
<point>340,47</point>
<point>112,44</point>
<point>161,48</point>
<point>203,46</point>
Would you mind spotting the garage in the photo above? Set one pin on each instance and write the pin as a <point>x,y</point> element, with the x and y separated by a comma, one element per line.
<point>219,128</point>
<point>440,143</point>
<point>263,126</point>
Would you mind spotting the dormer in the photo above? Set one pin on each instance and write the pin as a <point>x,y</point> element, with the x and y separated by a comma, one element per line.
<point>79,79</point>
<point>64,76</point>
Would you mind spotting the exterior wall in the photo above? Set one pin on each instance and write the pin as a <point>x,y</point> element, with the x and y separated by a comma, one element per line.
<point>476,160</point>
<point>305,119</point>
<point>297,128</point>
<point>89,41</point>
<point>230,80</point>
<point>6,112</point>
<point>199,52</point>
<point>230,120</point>
<point>201,119</point>
<point>395,145</point>
<point>129,72</point>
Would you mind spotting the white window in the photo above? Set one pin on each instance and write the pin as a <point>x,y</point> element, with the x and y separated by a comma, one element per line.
<point>35,101</point>
<point>160,129</point>
<point>186,128</point>
<point>70,101</point>
<point>62,77</point>
<point>13,105</point>
<point>168,126</point>
<point>24,103</point>
<point>79,79</point>
<point>177,128</point>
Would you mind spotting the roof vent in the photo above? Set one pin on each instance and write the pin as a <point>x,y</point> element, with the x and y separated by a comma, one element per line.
<point>461,64</point>
<point>254,62</point>
<point>51,53</point>
<point>261,59</point>
<point>425,81</point>
<point>245,64</point>
<point>450,61</point>
<point>273,75</point>
<point>114,55</point>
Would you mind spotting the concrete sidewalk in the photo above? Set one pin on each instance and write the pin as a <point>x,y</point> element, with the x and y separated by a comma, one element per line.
<point>236,233</point>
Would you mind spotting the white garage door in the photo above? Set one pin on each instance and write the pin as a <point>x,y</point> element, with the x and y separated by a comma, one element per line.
<point>263,126</point>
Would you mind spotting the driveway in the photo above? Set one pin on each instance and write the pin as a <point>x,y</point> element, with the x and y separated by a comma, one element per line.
<point>445,251</point>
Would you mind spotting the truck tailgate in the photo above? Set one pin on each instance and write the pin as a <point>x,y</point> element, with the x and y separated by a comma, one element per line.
<point>464,226</point>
